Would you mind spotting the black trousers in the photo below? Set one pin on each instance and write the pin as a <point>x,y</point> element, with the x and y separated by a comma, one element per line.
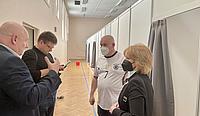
<point>102,112</point>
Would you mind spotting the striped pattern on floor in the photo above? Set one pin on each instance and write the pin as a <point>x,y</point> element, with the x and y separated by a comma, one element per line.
<point>76,81</point>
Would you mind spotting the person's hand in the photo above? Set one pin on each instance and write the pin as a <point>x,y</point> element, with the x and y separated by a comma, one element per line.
<point>61,68</point>
<point>53,66</point>
<point>113,107</point>
<point>92,100</point>
<point>117,105</point>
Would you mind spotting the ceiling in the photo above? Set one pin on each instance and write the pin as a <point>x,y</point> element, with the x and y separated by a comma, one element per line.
<point>97,8</point>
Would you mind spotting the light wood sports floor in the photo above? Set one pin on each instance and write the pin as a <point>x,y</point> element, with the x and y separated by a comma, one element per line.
<point>74,88</point>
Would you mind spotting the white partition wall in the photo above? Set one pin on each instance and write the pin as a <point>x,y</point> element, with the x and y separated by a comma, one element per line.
<point>183,39</point>
<point>97,45</point>
<point>140,22</point>
<point>114,31</point>
<point>100,36</point>
<point>108,29</point>
<point>124,26</point>
<point>166,8</point>
<point>103,32</point>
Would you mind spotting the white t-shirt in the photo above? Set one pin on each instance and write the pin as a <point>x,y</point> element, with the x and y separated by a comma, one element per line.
<point>110,73</point>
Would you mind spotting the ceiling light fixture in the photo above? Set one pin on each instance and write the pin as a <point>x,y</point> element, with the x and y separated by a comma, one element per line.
<point>83,9</point>
<point>112,11</point>
<point>107,16</point>
<point>82,15</point>
<point>77,2</point>
<point>121,2</point>
<point>85,1</point>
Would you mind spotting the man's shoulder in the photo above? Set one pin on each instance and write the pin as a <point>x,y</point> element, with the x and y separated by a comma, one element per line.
<point>29,51</point>
<point>119,53</point>
<point>6,53</point>
<point>7,57</point>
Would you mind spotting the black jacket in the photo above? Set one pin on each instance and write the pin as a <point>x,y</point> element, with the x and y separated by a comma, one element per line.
<point>132,99</point>
<point>35,61</point>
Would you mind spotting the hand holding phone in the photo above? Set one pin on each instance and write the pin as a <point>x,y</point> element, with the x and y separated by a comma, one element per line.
<point>66,64</point>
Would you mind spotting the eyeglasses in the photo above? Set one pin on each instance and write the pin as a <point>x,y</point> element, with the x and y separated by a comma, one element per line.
<point>48,46</point>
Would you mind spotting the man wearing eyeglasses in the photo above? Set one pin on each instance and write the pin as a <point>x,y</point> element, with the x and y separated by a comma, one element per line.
<point>34,59</point>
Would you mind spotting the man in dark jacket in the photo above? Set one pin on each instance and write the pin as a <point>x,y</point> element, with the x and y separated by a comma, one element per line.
<point>35,60</point>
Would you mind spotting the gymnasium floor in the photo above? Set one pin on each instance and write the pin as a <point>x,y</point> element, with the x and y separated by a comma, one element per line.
<point>75,87</point>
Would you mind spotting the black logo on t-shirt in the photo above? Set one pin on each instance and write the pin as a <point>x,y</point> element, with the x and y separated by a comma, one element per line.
<point>116,66</point>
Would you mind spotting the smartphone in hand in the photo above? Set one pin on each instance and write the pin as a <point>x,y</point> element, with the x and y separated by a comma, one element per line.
<point>66,64</point>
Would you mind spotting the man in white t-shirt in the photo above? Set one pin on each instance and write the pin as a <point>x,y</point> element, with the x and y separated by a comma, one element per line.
<point>108,76</point>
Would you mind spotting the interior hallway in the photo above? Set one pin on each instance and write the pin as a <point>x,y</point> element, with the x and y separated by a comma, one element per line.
<point>74,88</point>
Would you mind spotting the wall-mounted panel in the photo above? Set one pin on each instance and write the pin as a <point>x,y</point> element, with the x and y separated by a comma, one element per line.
<point>97,46</point>
<point>140,22</point>
<point>108,29</point>
<point>124,27</point>
<point>183,39</point>
<point>166,8</point>
<point>103,32</point>
<point>100,36</point>
<point>114,32</point>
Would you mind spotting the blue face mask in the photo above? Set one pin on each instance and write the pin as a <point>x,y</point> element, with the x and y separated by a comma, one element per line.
<point>127,66</point>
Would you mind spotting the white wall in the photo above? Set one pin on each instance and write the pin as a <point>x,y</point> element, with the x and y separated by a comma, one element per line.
<point>108,29</point>
<point>140,22</point>
<point>103,31</point>
<point>114,31</point>
<point>80,30</point>
<point>183,35</point>
<point>98,44</point>
<point>37,14</point>
<point>124,27</point>
<point>166,8</point>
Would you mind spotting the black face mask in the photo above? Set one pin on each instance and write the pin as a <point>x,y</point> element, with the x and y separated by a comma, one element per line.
<point>127,65</point>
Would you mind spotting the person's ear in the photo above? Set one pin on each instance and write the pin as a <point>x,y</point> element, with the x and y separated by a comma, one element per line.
<point>113,44</point>
<point>14,39</point>
<point>41,42</point>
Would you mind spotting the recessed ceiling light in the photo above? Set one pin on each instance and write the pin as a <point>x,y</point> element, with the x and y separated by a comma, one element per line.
<point>77,2</point>
<point>121,2</point>
<point>85,1</point>
<point>107,16</point>
<point>83,9</point>
<point>112,11</point>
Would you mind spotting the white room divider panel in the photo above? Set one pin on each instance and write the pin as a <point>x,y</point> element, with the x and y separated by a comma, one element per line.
<point>183,35</point>
<point>124,27</point>
<point>108,29</point>
<point>167,8</point>
<point>103,31</point>
<point>97,46</point>
<point>114,31</point>
<point>140,22</point>
<point>198,89</point>
<point>100,36</point>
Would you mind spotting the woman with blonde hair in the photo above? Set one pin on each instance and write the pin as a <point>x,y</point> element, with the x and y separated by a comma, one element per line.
<point>136,97</point>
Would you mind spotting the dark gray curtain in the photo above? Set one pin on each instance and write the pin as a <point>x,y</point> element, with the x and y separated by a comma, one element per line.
<point>86,52</point>
<point>93,55</point>
<point>161,72</point>
<point>88,58</point>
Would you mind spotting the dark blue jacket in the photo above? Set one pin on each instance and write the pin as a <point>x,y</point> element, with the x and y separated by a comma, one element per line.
<point>19,95</point>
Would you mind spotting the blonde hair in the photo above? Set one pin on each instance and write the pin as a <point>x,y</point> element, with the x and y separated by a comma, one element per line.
<point>142,56</point>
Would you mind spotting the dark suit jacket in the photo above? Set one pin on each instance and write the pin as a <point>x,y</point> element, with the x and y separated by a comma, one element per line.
<point>133,97</point>
<point>19,95</point>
